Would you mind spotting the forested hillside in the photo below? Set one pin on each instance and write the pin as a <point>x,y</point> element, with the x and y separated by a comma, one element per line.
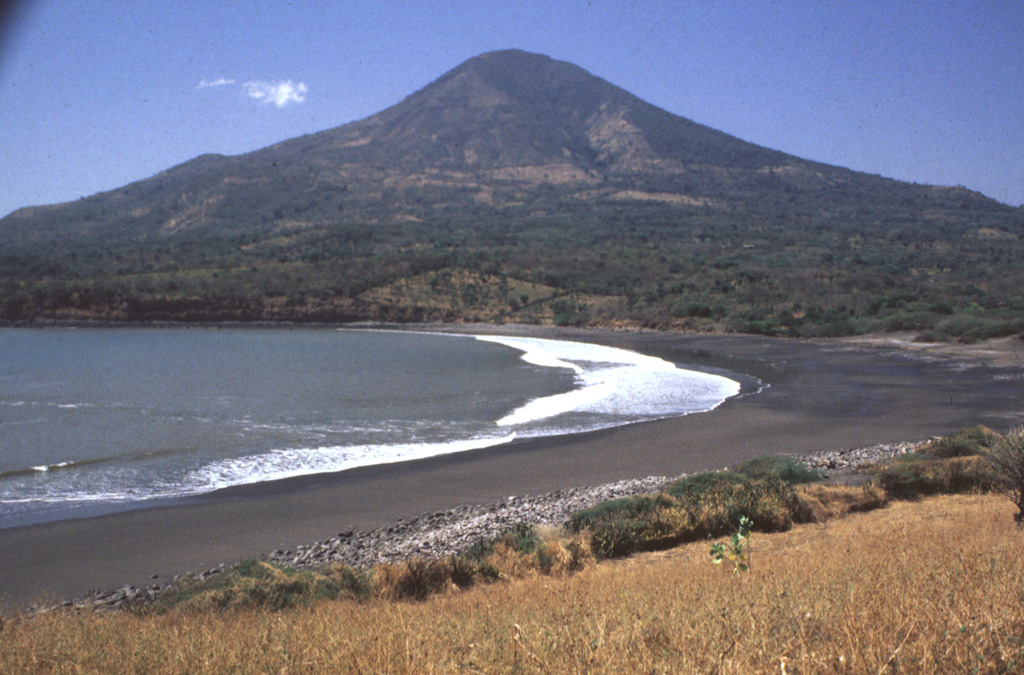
<point>520,188</point>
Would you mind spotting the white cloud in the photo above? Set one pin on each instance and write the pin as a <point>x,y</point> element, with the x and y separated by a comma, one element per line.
<point>278,93</point>
<point>219,82</point>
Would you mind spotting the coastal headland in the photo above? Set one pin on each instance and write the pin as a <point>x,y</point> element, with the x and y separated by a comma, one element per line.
<point>799,397</point>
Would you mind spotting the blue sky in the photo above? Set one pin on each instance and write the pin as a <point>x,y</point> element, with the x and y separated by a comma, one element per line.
<point>94,95</point>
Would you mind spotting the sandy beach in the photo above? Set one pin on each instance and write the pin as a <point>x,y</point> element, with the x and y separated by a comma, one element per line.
<point>821,395</point>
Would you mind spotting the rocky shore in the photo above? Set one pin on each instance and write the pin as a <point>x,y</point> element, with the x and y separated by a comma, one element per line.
<point>436,535</point>
<point>444,533</point>
<point>839,463</point>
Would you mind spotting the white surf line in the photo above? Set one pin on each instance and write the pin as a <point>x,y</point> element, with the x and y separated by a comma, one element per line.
<point>291,463</point>
<point>611,375</point>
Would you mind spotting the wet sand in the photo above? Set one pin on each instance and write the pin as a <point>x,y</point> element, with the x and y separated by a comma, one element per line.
<point>822,395</point>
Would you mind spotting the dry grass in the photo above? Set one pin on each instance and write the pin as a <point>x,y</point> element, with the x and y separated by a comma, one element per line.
<point>919,587</point>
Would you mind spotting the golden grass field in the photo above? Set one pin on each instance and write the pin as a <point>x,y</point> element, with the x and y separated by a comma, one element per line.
<point>932,586</point>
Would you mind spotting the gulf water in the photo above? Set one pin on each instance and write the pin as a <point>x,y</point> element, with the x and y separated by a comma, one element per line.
<point>98,420</point>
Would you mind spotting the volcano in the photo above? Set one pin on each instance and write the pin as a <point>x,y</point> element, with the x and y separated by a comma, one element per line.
<point>513,187</point>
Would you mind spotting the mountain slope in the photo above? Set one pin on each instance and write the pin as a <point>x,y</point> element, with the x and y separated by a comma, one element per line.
<point>517,187</point>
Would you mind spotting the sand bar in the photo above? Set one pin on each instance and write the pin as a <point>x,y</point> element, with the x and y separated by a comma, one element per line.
<point>823,395</point>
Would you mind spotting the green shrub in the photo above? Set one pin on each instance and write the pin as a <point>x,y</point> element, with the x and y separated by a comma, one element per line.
<point>353,582</point>
<point>770,502</point>
<point>522,537</point>
<point>916,475</point>
<point>627,508</point>
<point>787,469</point>
<point>257,583</point>
<point>614,538</point>
<point>971,327</point>
<point>908,479</point>
<point>704,481</point>
<point>623,526</point>
<point>964,443</point>
<point>693,508</point>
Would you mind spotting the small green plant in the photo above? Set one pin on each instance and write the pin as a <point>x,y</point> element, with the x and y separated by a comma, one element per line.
<point>737,549</point>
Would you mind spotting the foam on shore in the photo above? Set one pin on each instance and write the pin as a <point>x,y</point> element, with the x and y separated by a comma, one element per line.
<point>281,464</point>
<point>614,386</point>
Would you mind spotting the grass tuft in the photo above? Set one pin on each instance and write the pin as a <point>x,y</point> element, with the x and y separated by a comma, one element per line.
<point>414,579</point>
<point>256,583</point>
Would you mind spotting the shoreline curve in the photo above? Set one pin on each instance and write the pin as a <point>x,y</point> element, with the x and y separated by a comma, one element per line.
<point>822,395</point>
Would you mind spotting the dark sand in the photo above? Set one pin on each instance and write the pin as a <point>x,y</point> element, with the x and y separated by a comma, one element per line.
<point>823,395</point>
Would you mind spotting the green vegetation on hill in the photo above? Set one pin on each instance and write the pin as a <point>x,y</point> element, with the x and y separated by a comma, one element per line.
<point>522,189</point>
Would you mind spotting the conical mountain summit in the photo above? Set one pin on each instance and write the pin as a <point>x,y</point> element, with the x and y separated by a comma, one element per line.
<point>514,109</point>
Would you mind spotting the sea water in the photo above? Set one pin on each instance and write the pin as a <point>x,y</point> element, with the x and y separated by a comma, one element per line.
<point>98,420</point>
